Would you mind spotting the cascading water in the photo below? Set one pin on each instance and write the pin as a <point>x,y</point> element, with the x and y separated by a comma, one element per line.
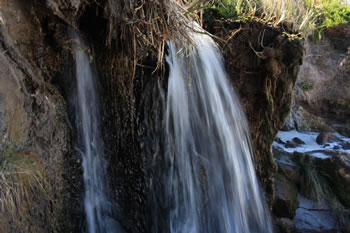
<point>210,183</point>
<point>98,208</point>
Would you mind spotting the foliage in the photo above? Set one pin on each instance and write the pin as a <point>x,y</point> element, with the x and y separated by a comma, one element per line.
<point>331,13</point>
<point>334,13</point>
<point>303,16</point>
<point>231,9</point>
<point>306,85</point>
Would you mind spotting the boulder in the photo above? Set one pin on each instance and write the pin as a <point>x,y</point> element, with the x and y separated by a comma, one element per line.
<point>298,140</point>
<point>336,170</point>
<point>295,142</point>
<point>291,144</point>
<point>314,217</point>
<point>303,121</point>
<point>324,137</point>
<point>286,201</point>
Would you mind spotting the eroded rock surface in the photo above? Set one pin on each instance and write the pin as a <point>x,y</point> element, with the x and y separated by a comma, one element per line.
<point>33,127</point>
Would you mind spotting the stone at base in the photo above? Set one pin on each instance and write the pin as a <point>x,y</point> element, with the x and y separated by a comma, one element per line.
<point>285,225</point>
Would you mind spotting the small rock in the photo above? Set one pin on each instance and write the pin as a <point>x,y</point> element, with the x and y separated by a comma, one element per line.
<point>285,225</point>
<point>298,140</point>
<point>295,142</point>
<point>326,137</point>
<point>291,144</point>
<point>326,145</point>
<point>278,140</point>
<point>336,147</point>
<point>346,146</point>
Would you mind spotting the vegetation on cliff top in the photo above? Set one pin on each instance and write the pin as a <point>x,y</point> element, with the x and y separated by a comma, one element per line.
<point>303,16</point>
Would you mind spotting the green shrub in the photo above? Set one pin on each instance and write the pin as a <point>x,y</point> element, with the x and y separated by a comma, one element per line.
<point>331,13</point>
<point>306,85</point>
<point>309,17</point>
<point>334,13</point>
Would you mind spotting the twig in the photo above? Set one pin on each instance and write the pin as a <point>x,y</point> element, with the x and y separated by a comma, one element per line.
<point>232,35</point>
<point>258,54</point>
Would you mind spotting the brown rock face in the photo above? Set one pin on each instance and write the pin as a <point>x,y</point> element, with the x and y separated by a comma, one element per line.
<point>263,66</point>
<point>323,85</point>
<point>34,134</point>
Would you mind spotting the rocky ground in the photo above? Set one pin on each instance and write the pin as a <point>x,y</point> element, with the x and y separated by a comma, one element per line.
<point>313,149</point>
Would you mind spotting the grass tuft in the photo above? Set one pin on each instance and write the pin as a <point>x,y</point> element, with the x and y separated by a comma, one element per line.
<point>21,176</point>
<point>314,184</point>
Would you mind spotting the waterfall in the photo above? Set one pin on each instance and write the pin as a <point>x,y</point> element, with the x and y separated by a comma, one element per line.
<point>98,208</point>
<point>210,181</point>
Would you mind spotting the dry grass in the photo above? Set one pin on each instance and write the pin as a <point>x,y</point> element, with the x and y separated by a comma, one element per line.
<point>150,24</point>
<point>20,177</point>
<point>300,15</point>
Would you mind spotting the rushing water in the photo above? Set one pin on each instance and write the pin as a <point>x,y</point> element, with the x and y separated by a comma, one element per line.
<point>210,181</point>
<point>98,208</point>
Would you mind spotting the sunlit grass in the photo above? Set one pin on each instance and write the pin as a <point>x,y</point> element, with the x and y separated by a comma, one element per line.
<point>306,17</point>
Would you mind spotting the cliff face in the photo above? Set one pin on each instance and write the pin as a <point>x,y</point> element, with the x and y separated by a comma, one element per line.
<point>41,178</point>
<point>325,70</point>
<point>36,80</point>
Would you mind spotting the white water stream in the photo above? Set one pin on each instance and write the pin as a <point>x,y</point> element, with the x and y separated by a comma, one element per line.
<point>210,181</point>
<point>98,208</point>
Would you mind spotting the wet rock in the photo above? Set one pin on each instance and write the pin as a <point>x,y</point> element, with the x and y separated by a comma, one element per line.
<point>326,145</point>
<point>290,170</point>
<point>278,140</point>
<point>280,154</point>
<point>285,202</point>
<point>345,145</point>
<point>298,140</point>
<point>291,144</point>
<point>295,142</point>
<point>285,225</point>
<point>324,137</point>
<point>315,217</point>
